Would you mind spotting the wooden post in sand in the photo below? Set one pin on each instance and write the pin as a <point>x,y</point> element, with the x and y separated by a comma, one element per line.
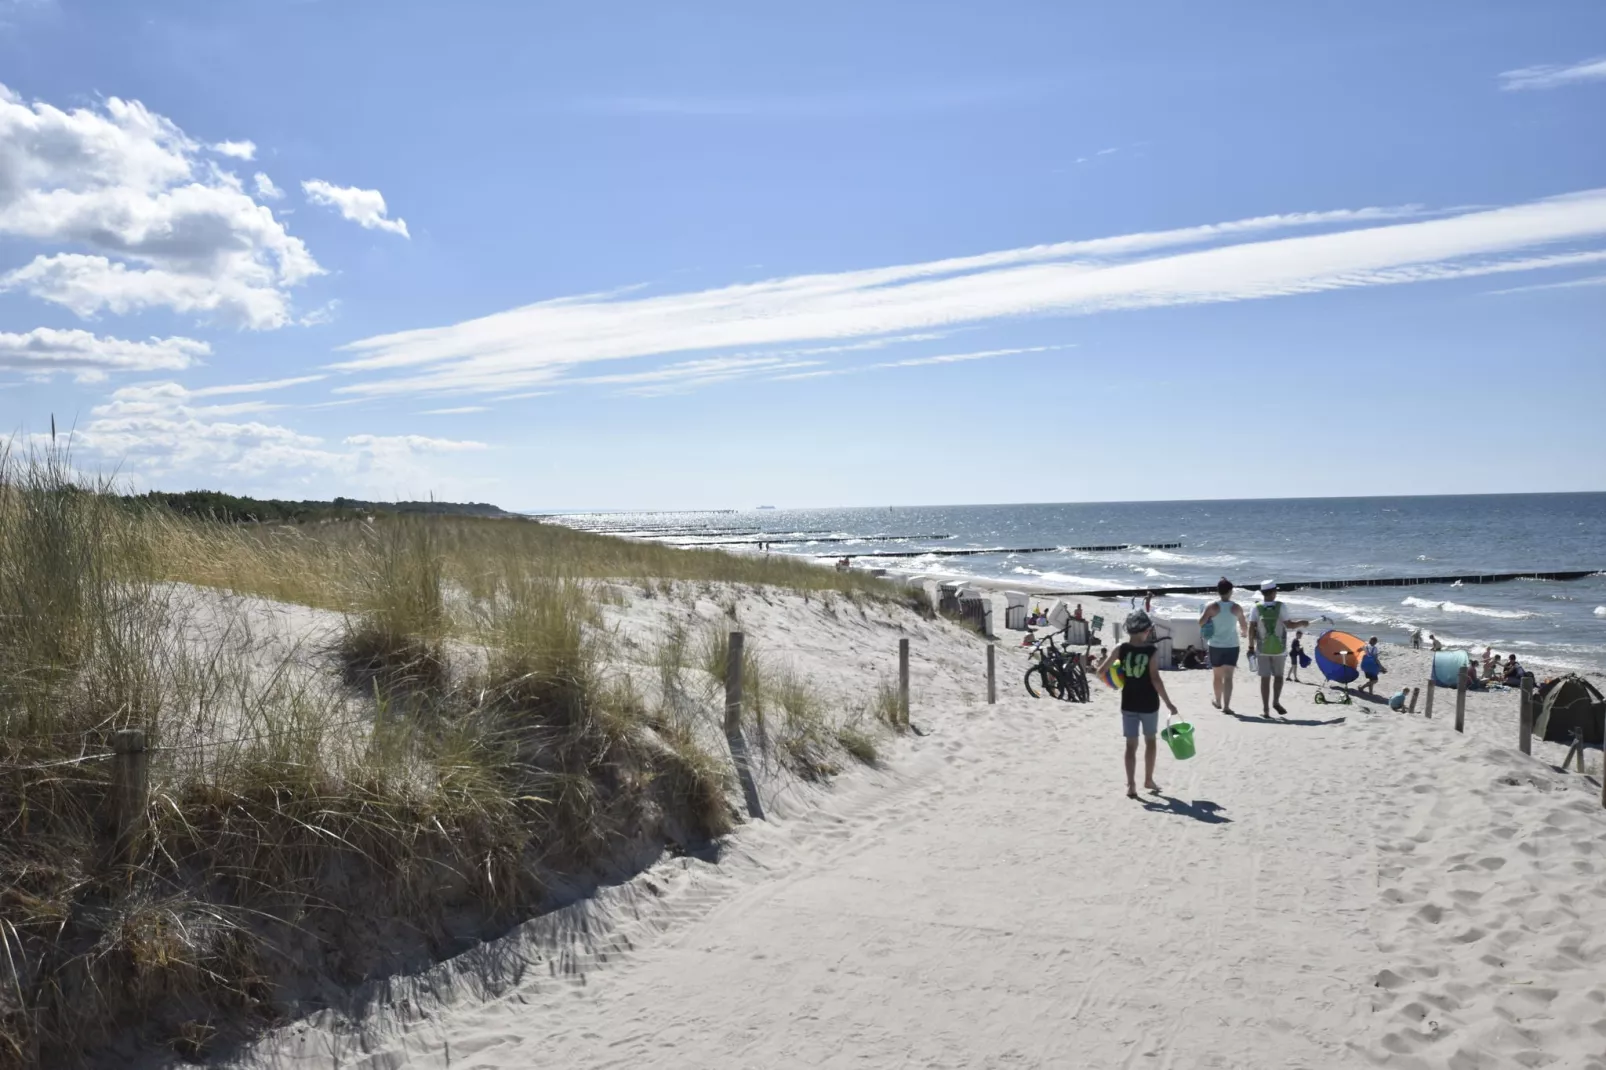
<point>1427,707</point>
<point>903,682</point>
<point>130,801</point>
<point>1461,699</point>
<point>1525,715</point>
<point>1415,691</point>
<point>733,685</point>
<point>992,674</point>
<point>733,727</point>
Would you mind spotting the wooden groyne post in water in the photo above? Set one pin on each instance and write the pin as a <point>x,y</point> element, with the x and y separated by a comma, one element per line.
<point>130,793</point>
<point>733,726</point>
<point>1525,715</point>
<point>1461,699</point>
<point>903,682</point>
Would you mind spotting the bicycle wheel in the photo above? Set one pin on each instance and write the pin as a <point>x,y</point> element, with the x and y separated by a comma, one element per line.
<point>1076,684</point>
<point>1046,681</point>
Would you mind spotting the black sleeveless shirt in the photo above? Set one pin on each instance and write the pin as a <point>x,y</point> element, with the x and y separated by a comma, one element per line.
<point>1137,665</point>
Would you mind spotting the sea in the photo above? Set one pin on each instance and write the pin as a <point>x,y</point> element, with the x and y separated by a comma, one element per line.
<point>1550,624</point>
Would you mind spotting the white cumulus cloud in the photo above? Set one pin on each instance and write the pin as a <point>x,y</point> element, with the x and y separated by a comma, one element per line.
<point>240,150</point>
<point>90,358</point>
<point>142,219</point>
<point>265,187</point>
<point>1555,75</point>
<point>165,430</point>
<point>365,207</point>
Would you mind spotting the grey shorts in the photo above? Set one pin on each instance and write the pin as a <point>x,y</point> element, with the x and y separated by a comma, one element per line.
<point>1270,664</point>
<point>1130,722</point>
<point>1223,655</point>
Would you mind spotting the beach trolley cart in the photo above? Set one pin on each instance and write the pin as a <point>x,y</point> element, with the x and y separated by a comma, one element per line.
<point>1338,656</point>
<point>1015,610</point>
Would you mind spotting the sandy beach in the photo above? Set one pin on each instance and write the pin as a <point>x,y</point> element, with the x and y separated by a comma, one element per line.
<point>1350,886</point>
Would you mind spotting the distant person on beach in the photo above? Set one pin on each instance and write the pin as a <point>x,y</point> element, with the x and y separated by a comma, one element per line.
<point>1296,652</point>
<point>1222,622</point>
<point>1078,614</point>
<point>1372,666</point>
<point>1489,662</point>
<point>1416,639</point>
<point>1433,640</point>
<point>1268,643</point>
<point>1141,695</point>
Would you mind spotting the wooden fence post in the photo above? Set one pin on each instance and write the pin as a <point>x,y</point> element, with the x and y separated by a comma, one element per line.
<point>733,685</point>
<point>1461,699</point>
<point>1525,730</point>
<point>903,681</point>
<point>1415,691</point>
<point>733,727</point>
<point>992,674</point>
<point>1427,707</point>
<point>130,798</point>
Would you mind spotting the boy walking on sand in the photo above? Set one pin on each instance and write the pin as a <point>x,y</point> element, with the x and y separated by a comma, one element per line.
<point>1141,695</point>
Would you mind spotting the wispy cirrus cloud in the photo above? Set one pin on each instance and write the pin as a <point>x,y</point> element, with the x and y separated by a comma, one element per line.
<point>1243,260</point>
<point>1554,75</point>
<point>1587,282</point>
<point>864,102</point>
<point>918,362</point>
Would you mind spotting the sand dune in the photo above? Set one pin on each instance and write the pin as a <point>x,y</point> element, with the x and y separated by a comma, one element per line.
<point>1350,887</point>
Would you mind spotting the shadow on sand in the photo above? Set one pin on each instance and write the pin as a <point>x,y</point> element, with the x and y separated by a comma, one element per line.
<point>1274,719</point>
<point>1200,809</point>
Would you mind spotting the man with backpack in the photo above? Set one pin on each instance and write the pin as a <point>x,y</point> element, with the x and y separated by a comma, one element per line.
<point>1268,645</point>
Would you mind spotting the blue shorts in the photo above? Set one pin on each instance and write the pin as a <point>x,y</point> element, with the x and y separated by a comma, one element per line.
<point>1223,655</point>
<point>1130,722</point>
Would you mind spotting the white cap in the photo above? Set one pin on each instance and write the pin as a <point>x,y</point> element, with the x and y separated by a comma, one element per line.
<point>1269,585</point>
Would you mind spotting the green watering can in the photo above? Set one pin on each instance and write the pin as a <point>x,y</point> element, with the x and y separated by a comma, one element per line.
<point>1179,737</point>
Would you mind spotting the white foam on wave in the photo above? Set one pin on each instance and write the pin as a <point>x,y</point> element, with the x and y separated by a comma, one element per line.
<point>1475,611</point>
<point>1600,611</point>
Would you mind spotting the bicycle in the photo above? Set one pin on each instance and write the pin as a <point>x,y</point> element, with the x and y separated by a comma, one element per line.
<point>1057,672</point>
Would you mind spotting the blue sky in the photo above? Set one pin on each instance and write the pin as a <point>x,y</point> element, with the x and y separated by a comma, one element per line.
<point>699,255</point>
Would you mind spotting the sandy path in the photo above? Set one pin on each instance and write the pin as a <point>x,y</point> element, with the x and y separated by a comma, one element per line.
<point>1352,888</point>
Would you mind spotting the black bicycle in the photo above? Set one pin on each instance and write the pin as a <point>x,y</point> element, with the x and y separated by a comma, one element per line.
<point>1056,672</point>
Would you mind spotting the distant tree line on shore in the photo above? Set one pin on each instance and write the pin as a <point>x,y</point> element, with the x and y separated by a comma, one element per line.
<point>230,508</point>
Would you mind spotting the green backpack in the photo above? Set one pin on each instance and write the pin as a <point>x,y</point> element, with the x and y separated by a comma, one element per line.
<point>1270,642</point>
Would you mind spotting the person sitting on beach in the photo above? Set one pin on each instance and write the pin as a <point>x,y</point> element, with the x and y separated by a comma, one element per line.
<point>1434,640</point>
<point>1489,662</point>
<point>1141,695</point>
<point>1513,674</point>
<point>1194,658</point>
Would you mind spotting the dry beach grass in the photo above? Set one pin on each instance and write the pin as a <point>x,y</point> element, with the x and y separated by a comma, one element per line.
<point>370,745</point>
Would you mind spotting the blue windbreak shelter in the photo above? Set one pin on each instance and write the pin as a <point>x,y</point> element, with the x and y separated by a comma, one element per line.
<point>1447,666</point>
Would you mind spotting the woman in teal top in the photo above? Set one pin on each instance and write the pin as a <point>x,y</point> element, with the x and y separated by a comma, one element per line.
<point>1222,623</point>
